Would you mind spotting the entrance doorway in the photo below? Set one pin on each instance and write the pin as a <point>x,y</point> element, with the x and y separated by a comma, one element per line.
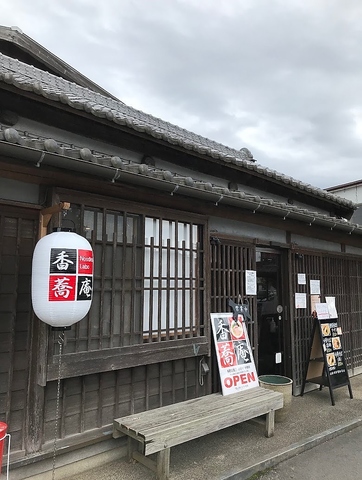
<point>270,312</point>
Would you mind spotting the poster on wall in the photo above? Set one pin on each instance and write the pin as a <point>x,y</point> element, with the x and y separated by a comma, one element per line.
<point>250,282</point>
<point>302,279</point>
<point>300,300</point>
<point>315,287</point>
<point>234,355</point>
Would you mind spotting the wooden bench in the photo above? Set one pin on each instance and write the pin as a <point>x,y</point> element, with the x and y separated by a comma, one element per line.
<point>156,431</point>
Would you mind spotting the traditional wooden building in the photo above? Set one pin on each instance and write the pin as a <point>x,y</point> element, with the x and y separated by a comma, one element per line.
<point>175,220</point>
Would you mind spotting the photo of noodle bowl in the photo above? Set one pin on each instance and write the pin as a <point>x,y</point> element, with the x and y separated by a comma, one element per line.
<point>336,343</point>
<point>331,359</point>
<point>326,331</point>
<point>237,329</point>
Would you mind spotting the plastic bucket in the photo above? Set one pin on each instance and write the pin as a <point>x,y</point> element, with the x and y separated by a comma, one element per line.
<point>3,430</point>
<point>283,385</point>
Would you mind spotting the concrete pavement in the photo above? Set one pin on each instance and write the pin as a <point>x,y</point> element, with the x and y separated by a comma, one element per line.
<point>235,453</point>
<point>335,459</point>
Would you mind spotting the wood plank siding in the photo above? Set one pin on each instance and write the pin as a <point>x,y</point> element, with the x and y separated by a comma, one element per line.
<point>141,343</point>
<point>156,281</point>
<point>139,347</point>
<point>340,277</point>
<point>228,262</point>
<point>149,291</point>
<point>90,403</point>
<point>18,229</point>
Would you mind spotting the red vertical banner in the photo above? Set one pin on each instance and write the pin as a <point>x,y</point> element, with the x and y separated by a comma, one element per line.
<point>62,288</point>
<point>85,262</point>
<point>235,359</point>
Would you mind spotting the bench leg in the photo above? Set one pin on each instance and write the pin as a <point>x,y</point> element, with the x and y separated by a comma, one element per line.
<point>269,424</point>
<point>133,446</point>
<point>163,464</point>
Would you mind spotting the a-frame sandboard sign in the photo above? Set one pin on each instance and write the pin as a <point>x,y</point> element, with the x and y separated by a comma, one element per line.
<point>327,366</point>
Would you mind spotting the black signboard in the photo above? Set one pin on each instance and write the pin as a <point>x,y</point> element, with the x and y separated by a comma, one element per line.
<point>327,366</point>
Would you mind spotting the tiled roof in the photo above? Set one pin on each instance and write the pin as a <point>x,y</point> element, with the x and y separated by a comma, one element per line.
<point>26,77</point>
<point>50,62</point>
<point>48,150</point>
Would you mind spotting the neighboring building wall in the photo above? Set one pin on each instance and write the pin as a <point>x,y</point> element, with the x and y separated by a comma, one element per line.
<point>351,191</point>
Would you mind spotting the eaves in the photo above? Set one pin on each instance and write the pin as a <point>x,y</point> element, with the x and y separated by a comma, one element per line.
<point>47,151</point>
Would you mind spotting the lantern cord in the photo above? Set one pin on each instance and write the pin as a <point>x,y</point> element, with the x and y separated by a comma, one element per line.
<point>60,343</point>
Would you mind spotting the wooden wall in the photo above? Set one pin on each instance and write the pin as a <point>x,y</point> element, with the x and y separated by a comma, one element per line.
<point>17,240</point>
<point>90,403</point>
<point>340,277</point>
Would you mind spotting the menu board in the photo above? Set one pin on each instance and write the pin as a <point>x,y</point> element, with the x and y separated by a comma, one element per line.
<point>331,336</point>
<point>236,363</point>
<point>326,364</point>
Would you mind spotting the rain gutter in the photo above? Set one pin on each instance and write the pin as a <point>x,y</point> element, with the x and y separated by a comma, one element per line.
<point>174,185</point>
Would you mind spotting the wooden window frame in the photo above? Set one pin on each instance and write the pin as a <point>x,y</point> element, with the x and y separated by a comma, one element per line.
<point>151,349</point>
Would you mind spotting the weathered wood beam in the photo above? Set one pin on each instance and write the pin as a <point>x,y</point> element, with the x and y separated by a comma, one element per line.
<point>46,215</point>
<point>86,363</point>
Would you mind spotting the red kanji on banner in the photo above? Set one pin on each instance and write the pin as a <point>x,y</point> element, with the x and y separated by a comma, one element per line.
<point>227,354</point>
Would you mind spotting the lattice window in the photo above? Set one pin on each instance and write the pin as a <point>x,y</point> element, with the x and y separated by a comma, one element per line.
<point>171,276</point>
<point>148,280</point>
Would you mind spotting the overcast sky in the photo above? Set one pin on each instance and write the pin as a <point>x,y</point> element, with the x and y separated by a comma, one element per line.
<point>280,77</point>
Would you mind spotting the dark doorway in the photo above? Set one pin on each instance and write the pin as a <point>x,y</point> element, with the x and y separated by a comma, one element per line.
<point>270,312</point>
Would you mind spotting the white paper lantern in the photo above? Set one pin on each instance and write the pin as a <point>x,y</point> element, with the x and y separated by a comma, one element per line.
<point>62,278</point>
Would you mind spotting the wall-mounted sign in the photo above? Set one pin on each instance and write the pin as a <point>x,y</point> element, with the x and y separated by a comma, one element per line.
<point>236,363</point>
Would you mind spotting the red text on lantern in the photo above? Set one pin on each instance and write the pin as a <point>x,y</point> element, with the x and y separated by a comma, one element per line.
<point>62,288</point>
